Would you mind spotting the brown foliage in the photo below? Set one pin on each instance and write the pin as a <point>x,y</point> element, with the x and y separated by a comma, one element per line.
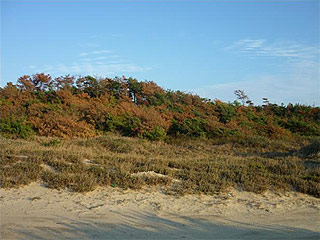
<point>70,107</point>
<point>57,125</point>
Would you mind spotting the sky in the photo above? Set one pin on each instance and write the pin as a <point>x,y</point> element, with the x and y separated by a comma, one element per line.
<point>210,48</point>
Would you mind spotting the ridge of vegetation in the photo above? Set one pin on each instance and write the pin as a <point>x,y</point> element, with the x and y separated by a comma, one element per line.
<point>80,133</point>
<point>87,106</point>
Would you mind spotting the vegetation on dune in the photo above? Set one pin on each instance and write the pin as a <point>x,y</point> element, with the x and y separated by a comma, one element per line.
<point>87,106</point>
<point>87,132</point>
<point>177,165</point>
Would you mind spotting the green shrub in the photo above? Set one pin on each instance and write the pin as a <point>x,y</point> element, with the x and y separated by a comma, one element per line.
<point>226,112</point>
<point>225,132</point>
<point>157,133</point>
<point>302,127</point>
<point>174,108</point>
<point>156,100</point>
<point>112,123</point>
<point>127,125</point>
<point>261,120</point>
<point>17,128</point>
<point>195,127</point>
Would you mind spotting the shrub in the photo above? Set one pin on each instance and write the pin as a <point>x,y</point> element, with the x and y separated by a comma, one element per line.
<point>174,108</point>
<point>224,132</point>
<point>17,128</point>
<point>195,127</point>
<point>261,120</point>
<point>112,123</point>
<point>157,133</point>
<point>226,112</point>
<point>57,125</point>
<point>127,125</point>
<point>302,127</point>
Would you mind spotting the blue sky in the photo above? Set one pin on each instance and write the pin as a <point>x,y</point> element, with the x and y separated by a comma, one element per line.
<point>210,48</point>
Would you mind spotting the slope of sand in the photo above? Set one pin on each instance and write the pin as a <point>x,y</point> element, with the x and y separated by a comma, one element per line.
<point>36,212</point>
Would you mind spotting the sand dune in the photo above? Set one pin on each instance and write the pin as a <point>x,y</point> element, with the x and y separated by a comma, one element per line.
<point>36,212</point>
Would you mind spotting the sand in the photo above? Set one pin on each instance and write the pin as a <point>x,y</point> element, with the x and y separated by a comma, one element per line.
<point>36,212</point>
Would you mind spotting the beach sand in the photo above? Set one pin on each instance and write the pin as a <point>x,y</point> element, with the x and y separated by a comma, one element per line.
<point>36,212</point>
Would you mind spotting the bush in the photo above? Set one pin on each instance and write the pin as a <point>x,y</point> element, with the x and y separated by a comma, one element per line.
<point>195,127</point>
<point>157,133</point>
<point>225,132</point>
<point>55,124</point>
<point>17,128</point>
<point>112,123</point>
<point>125,124</point>
<point>302,127</point>
<point>261,120</point>
<point>226,112</point>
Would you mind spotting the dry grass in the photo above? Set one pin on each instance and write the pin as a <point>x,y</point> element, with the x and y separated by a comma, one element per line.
<point>183,165</point>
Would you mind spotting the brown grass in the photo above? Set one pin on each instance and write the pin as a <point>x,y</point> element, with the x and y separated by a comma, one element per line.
<point>186,165</point>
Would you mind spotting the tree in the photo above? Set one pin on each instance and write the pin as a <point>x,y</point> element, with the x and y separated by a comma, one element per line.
<point>25,83</point>
<point>38,82</point>
<point>265,102</point>
<point>243,97</point>
<point>64,82</point>
<point>42,82</point>
<point>89,85</point>
<point>135,88</point>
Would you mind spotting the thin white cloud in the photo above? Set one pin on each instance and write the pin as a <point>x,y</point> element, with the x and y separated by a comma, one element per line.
<point>96,68</point>
<point>301,85</point>
<point>297,81</point>
<point>97,52</point>
<point>92,59</point>
<point>94,63</point>
<point>260,47</point>
<point>87,45</point>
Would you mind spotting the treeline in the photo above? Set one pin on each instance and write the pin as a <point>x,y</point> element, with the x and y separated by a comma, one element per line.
<point>87,106</point>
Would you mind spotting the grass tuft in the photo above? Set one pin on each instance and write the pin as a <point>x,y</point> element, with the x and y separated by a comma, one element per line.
<point>179,166</point>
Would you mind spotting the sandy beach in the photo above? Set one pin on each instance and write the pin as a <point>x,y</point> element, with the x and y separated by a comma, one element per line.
<point>36,212</point>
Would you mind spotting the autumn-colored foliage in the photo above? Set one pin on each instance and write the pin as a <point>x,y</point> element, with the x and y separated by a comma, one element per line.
<point>86,106</point>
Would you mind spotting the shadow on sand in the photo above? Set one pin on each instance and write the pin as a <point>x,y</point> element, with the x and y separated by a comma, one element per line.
<point>151,226</point>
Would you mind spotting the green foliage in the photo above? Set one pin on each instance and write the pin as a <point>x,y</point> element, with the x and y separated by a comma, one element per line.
<point>226,112</point>
<point>196,113</point>
<point>156,100</point>
<point>135,88</point>
<point>89,85</point>
<point>125,124</point>
<point>225,132</point>
<point>302,127</point>
<point>17,128</point>
<point>259,119</point>
<point>157,133</point>
<point>174,108</point>
<point>195,127</point>
<point>112,123</point>
<point>130,126</point>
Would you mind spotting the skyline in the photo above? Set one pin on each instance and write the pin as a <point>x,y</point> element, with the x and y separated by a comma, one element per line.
<point>266,48</point>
